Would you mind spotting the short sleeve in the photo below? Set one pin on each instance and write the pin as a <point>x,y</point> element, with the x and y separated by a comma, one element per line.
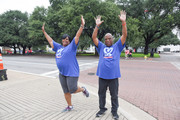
<point>119,45</point>
<point>56,46</point>
<point>74,46</point>
<point>100,44</point>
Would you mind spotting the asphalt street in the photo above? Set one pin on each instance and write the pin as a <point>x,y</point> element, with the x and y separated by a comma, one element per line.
<point>43,65</point>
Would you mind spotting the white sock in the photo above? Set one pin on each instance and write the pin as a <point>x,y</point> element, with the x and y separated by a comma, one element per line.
<point>70,106</point>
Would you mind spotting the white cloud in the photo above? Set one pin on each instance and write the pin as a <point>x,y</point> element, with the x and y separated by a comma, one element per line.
<point>22,5</point>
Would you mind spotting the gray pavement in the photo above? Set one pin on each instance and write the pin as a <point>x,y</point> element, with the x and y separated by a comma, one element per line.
<point>27,96</point>
<point>32,97</point>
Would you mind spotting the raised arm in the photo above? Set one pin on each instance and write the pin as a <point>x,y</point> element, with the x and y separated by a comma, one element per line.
<point>98,23</point>
<point>49,39</point>
<point>122,17</point>
<point>78,34</point>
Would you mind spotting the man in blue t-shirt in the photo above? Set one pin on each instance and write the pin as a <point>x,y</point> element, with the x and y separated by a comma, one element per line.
<point>67,64</point>
<point>108,68</point>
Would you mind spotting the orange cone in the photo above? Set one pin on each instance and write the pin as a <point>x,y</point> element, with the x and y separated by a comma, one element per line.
<point>1,63</point>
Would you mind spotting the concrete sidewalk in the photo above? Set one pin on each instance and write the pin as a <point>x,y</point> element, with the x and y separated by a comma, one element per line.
<point>32,97</point>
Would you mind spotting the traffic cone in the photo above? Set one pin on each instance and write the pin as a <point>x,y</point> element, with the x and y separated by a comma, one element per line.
<point>1,63</point>
<point>3,75</point>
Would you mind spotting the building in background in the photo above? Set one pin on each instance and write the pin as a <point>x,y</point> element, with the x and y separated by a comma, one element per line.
<point>169,48</point>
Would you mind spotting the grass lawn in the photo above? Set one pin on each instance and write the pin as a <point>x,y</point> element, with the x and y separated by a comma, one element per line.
<point>122,55</point>
<point>156,55</point>
<point>85,54</point>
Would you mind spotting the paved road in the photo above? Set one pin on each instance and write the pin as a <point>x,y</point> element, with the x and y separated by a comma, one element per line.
<point>170,57</point>
<point>43,65</point>
<point>173,58</point>
<point>46,64</point>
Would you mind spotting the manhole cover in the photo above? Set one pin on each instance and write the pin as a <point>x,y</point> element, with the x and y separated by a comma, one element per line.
<point>91,73</point>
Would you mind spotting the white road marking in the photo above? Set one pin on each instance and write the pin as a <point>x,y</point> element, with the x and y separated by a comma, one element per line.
<point>16,62</point>
<point>31,73</point>
<point>176,64</point>
<point>48,73</point>
<point>57,71</point>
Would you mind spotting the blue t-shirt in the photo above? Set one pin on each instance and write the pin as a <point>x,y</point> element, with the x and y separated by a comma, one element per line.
<point>108,67</point>
<point>66,59</point>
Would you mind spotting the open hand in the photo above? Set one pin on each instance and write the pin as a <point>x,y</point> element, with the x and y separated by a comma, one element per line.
<point>98,20</point>
<point>43,27</point>
<point>82,21</point>
<point>122,16</point>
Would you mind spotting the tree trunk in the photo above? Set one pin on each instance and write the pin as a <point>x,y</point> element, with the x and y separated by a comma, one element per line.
<point>24,49</point>
<point>82,48</point>
<point>152,52</point>
<point>19,50</point>
<point>155,50</point>
<point>14,49</point>
<point>146,49</point>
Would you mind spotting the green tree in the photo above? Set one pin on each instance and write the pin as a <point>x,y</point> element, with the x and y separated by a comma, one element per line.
<point>36,37</point>
<point>169,39</point>
<point>53,18</point>
<point>84,42</point>
<point>58,4</point>
<point>65,18</point>
<point>157,17</point>
<point>134,38</point>
<point>13,29</point>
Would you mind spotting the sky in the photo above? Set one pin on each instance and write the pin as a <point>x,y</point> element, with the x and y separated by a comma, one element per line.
<point>22,5</point>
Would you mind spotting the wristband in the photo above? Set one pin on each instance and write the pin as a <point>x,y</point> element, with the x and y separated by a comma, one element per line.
<point>97,26</point>
<point>124,24</point>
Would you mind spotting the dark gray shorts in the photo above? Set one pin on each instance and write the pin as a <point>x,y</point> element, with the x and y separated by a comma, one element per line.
<point>69,84</point>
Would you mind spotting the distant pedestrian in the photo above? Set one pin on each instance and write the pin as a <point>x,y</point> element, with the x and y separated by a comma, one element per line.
<point>108,67</point>
<point>130,53</point>
<point>29,51</point>
<point>126,53</point>
<point>67,64</point>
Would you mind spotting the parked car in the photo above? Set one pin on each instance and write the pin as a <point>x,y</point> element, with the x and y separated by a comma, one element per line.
<point>9,52</point>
